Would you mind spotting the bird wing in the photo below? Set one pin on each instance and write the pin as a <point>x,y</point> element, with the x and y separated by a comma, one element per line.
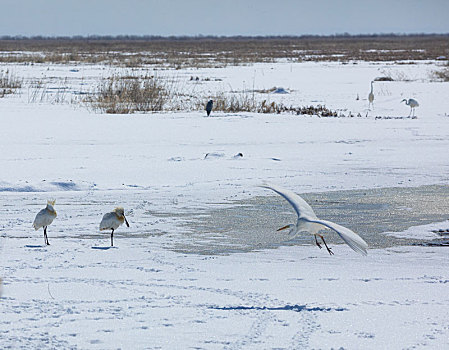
<point>299,205</point>
<point>351,238</point>
<point>43,218</point>
<point>37,223</point>
<point>108,222</point>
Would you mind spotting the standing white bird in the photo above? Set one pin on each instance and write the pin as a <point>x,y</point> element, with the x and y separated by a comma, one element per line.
<point>44,218</point>
<point>112,220</point>
<point>412,103</point>
<point>308,221</point>
<point>371,97</point>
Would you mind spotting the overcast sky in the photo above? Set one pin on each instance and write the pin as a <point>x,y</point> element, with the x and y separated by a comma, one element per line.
<point>225,17</point>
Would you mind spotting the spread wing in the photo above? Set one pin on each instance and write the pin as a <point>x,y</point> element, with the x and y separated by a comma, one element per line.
<point>351,238</point>
<point>299,205</point>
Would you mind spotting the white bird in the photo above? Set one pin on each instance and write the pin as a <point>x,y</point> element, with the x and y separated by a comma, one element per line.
<point>412,103</point>
<point>112,220</point>
<point>308,221</point>
<point>44,218</point>
<point>371,96</point>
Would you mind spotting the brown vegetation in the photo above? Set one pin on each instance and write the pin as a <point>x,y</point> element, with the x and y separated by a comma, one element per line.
<point>443,74</point>
<point>217,52</point>
<point>246,102</point>
<point>129,94</point>
<point>9,83</point>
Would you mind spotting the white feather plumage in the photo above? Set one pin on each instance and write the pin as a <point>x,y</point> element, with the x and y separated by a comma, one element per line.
<point>308,221</point>
<point>111,221</point>
<point>45,217</point>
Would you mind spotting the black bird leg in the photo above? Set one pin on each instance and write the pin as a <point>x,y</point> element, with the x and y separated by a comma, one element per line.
<point>319,245</point>
<point>45,236</point>
<point>112,241</point>
<point>328,249</point>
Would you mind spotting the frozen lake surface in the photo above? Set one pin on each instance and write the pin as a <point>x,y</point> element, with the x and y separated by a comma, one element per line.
<point>251,224</point>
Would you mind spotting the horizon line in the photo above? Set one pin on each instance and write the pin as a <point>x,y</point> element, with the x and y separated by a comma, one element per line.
<point>203,36</point>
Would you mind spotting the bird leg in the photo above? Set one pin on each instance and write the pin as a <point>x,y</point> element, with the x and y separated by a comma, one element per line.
<point>45,236</point>
<point>318,245</point>
<point>112,241</point>
<point>328,249</point>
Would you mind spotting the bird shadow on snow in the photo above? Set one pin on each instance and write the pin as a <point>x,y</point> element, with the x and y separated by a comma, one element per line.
<point>104,248</point>
<point>296,308</point>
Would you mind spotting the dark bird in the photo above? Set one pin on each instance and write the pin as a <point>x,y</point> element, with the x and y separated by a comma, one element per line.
<point>209,106</point>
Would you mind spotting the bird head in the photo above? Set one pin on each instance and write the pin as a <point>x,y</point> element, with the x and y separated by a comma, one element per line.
<point>120,212</point>
<point>291,227</point>
<point>50,206</point>
<point>404,100</point>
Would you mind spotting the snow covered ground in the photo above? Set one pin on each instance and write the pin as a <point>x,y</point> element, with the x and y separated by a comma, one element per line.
<point>143,294</point>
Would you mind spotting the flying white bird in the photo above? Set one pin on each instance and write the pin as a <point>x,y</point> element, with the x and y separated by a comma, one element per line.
<point>112,220</point>
<point>412,103</point>
<point>371,97</point>
<point>44,218</point>
<point>308,221</point>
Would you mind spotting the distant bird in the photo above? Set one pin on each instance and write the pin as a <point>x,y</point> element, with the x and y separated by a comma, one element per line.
<point>371,97</point>
<point>412,103</point>
<point>209,106</point>
<point>308,221</point>
<point>44,218</point>
<point>112,220</point>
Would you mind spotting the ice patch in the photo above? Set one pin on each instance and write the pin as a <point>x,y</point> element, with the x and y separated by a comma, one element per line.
<point>429,231</point>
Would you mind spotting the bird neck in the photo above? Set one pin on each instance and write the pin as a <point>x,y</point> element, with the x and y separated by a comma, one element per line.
<point>51,209</point>
<point>120,218</point>
<point>371,87</point>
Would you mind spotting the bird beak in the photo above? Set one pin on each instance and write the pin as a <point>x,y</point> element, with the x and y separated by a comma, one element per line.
<point>126,221</point>
<point>283,228</point>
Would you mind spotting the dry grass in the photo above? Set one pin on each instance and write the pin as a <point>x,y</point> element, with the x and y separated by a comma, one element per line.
<point>233,102</point>
<point>443,74</point>
<point>245,101</point>
<point>9,83</point>
<point>40,91</point>
<point>130,94</point>
<point>277,108</point>
<point>219,52</point>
